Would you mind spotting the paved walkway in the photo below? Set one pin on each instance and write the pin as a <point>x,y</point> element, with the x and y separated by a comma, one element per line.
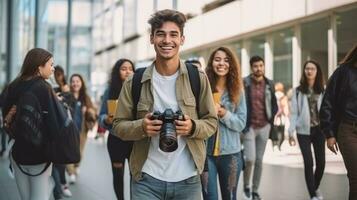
<point>283,177</point>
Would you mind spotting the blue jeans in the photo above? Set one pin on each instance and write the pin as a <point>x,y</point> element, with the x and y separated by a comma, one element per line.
<point>149,188</point>
<point>228,168</point>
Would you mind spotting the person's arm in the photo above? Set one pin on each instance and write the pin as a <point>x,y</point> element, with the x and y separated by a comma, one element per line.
<point>293,117</point>
<point>293,113</point>
<point>274,102</point>
<point>103,114</point>
<point>124,124</point>
<point>236,120</point>
<point>207,123</point>
<point>327,115</point>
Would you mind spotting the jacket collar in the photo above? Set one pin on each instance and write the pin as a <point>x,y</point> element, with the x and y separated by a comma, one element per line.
<point>148,72</point>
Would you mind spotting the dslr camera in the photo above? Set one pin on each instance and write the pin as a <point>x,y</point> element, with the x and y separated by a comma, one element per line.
<point>168,136</point>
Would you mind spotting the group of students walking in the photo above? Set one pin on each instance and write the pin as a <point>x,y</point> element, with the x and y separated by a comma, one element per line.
<point>216,137</point>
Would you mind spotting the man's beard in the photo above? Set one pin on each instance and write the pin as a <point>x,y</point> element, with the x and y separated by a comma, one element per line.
<point>258,75</point>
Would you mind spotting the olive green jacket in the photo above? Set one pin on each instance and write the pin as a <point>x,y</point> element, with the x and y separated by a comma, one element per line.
<point>129,128</point>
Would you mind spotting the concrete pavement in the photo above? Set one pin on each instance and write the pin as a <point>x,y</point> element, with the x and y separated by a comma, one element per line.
<point>282,180</point>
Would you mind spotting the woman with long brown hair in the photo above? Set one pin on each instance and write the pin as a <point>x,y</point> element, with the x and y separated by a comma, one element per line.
<point>224,148</point>
<point>304,119</point>
<point>118,149</point>
<point>83,106</point>
<point>29,161</point>
<point>338,115</point>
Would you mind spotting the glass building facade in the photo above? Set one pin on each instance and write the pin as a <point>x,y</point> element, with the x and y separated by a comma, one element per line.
<point>25,24</point>
<point>325,39</point>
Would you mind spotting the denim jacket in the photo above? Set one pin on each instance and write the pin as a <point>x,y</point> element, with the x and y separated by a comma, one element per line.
<point>300,113</point>
<point>230,127</point>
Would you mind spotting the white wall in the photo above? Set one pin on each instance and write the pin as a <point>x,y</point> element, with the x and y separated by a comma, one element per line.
<point>240,17</point>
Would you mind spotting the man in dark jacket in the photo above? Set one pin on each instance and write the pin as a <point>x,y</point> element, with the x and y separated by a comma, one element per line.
<point>262,107</point>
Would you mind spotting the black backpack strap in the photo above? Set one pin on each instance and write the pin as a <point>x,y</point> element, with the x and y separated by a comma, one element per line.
<point>136,85</point>
<point>28,174</point>
<point>195,82</point>
<point>136,89</point>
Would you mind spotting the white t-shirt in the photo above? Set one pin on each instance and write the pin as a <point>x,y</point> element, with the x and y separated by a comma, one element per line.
<point>173,166</point>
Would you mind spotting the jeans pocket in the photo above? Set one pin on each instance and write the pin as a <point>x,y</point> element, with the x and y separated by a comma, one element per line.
<point>193,180</point>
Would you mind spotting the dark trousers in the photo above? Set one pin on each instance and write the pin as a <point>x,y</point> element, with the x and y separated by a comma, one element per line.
<point>118,181</point>
<point>317,139</point>
<point>59,177</point>
<point>3,140</point>
<point>347,141</point>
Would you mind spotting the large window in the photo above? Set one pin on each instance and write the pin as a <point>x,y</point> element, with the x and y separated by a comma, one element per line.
<point>3,13</point>
<point>314,43</point>
<point>346,32</point>
<point>257,46</point>
<point>282,57</point>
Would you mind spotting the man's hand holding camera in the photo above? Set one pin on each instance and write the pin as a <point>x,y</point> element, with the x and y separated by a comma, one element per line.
<point>151,126</point>
<point>184,127</point>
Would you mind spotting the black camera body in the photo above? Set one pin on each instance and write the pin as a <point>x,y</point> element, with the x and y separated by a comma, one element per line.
<point>168,135</point>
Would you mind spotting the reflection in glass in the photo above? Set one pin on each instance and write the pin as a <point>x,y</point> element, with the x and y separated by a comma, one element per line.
<point>314,43</point>
<point>346,32</point>
<point>282,57</point>
<point>257,47</point>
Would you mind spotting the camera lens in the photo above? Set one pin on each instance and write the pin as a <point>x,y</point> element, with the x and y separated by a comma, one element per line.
<point>168,139</point>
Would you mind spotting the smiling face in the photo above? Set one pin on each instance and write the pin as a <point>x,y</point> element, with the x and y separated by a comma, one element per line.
<point>126,69</point>
<point>167,41</point>
<point>76,84</point>
<point>47,69</point>
<point>220,63</point>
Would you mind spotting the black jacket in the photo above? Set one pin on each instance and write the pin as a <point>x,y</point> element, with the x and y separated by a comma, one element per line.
<point>22,151</point>
<point>337,98</point>
<point>269,87</point>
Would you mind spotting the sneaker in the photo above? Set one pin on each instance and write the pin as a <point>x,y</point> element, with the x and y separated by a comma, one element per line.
<point>314,198</point>
<point>256,196</point>
<point>319,194</point>
<point>66,192</point>
<point>247,194</point>
<point>72,179</point>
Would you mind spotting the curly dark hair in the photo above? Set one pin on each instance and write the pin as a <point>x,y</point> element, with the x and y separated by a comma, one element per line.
<point>234,77</point>
<point>319,80</point>
<point>115,83</point>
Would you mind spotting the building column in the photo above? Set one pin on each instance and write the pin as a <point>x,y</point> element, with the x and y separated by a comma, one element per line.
<point>40,24</point>
<point>268,57</point>
<point>9,39</point>
<point>332,45</point>
<point>245,58</point>
<point>296,44</point>
<point>69,37</point>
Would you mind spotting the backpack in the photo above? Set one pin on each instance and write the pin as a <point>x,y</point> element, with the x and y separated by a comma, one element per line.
<point>193,75</point>
<point>27,124</point>
<point>63,145</point>
<point>62,141</point>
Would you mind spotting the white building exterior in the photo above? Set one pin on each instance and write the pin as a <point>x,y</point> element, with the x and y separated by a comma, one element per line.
<point>284,32</point>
